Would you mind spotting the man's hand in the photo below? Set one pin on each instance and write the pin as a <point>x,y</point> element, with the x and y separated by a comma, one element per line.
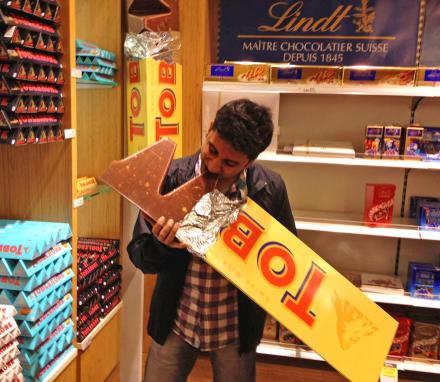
<point>165,232</point>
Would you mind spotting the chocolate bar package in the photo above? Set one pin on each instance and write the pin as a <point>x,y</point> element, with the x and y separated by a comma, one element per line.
<point>423,280</point>
<point>373,141</point>
<point>414,202</point>
<point>400,343</point>
<point>306,75</point>
<point>379,76</point>
<point>391,142</point>
<point>431,143</point>
<point>425,340</point>
<point>238,72</point>
<point>379,203</point>
<point>413,142</point>
<point>428,77</point>
<point>270,331</point>
<point>428,215</point>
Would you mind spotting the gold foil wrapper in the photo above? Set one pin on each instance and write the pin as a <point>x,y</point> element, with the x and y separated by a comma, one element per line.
<point>201,226</point>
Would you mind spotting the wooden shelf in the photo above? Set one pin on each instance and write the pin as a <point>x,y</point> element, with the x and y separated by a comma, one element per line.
<point>98,190</point>
<point>92,85</point>
<point>225,86</point>
<point>300,352</point>
<point>85,343</point>
<point>358,161</point>
<point>353,224</point>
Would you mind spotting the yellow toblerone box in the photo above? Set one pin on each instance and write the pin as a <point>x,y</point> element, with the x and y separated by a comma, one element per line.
<point>304,293</point>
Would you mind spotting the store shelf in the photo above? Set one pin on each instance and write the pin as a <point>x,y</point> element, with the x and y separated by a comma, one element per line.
<point>88,340</point>
<point>358,161</point>
<point>403,300</point>
<point>82,198</point>
<point>242,87</point>
<point>300,352</point>
<point>353,224</point>
<point>92,85</point>
<point>64,362</point>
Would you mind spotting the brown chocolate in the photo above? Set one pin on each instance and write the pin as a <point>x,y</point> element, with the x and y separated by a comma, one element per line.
<point>139,178</point>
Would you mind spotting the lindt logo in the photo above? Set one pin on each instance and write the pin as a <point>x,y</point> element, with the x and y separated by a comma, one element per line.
<point>222,70</point>
<point>288,17</point>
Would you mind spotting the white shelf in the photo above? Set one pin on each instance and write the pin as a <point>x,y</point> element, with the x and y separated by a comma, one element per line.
<point>64,362</point>
<point>353,224</point>
<point>420,91</point>
<point>403,300</point>
<point>368,162</point>
<point>88,340</point>
<point>284,350</point>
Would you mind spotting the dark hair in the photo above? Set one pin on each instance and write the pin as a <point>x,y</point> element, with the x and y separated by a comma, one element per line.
<point>246,125</point>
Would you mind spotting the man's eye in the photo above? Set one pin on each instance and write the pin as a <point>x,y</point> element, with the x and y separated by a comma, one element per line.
<point>212,150</point>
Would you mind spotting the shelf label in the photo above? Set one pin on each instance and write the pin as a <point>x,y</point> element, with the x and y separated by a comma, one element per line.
<point>389,373</point>
<point>76,73</point>
<point>69,133</point>
<point>78,202</point>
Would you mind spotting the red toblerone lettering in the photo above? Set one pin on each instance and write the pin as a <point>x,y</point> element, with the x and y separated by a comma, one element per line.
<point>167,73</point>
<point>165,129</point>
<point>283,276</point>
<point>300,304</point>
<point>136,129</point>
<point>242,235</point>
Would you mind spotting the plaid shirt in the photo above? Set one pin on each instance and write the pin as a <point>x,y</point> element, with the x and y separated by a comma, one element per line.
<point>207,313</point>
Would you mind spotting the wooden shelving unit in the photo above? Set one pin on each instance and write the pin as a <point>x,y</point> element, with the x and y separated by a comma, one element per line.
<point>38,182</point>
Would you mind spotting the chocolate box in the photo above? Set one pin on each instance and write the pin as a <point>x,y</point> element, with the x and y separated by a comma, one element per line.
<point>379,203</point>
<point>379,76</point>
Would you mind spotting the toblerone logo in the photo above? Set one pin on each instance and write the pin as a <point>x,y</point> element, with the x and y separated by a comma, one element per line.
<point>18,250</point>
<point>241,237</point>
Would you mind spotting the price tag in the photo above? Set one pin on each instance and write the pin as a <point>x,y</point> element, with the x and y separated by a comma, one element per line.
<point>389,373</point>
<point>69,133</point>
<point>78,202</point>
<point>76,73</point>
<point>10,32</point>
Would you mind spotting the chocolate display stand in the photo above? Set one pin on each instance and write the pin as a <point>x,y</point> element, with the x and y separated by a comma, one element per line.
<point>139,178</point>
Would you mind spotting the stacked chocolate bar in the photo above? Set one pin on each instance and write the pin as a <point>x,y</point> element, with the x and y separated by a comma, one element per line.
<point>31,74</point>
<point>36,278</point>
<point>99,282</point>
<point>10,368</point>
<point>97,65</point>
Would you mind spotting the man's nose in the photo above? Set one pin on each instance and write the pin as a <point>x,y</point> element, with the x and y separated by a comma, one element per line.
<point>215,166</point>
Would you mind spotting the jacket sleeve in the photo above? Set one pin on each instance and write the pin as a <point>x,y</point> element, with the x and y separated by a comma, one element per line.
<point>146,252</point>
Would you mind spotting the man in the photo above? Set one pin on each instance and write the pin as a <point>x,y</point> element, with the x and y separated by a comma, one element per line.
<point>193,308</point>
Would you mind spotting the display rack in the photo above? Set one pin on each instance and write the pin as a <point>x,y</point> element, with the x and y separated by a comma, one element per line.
<point>66,360</point>
<point>353,224</point>
<point>38,182</point>
<point>300,352</point>
<point>329,224</point>
<point>84,344</point>
<point>421,91</point>
<point>358,161</point>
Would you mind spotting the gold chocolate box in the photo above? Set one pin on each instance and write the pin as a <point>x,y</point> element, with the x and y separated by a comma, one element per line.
<point>240,72</point>
<point>379,76</point>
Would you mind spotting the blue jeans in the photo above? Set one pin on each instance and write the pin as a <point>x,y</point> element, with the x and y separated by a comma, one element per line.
<point>174,361</point>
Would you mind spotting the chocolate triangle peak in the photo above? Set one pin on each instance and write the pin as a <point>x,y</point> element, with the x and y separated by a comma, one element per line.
<point>139,179</point>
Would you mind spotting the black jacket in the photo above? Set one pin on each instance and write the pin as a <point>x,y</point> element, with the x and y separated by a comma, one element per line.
<point>149,255</point>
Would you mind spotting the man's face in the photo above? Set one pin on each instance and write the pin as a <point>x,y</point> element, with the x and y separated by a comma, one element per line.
<point>220,158</point>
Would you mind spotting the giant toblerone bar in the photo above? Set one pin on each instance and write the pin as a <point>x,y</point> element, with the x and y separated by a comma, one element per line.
<point>286,278</point>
